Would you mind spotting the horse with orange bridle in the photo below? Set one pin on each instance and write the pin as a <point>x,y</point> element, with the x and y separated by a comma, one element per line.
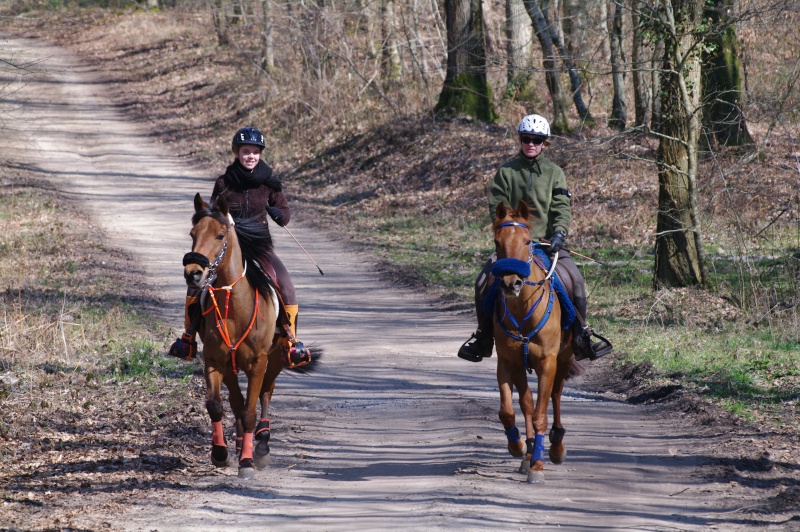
<point>529,337</point>
<point>240,305</point>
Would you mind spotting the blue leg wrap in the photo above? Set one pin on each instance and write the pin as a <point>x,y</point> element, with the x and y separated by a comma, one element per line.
<point>512,434</point>
<point>536,447</point>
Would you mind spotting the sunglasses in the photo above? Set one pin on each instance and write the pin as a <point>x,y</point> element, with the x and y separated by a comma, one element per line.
<point>536,141</point>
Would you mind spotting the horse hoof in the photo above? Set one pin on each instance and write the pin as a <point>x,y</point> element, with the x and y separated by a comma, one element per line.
<point>525,466</point>
<point>219,456</point>
<point>246,473</point>
<point>516,449</point>
<point>556,456</point>
<point>261,455</point>
<point>535,477</point>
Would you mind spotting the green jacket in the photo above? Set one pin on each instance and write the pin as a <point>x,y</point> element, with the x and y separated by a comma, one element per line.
<point>535,181</point>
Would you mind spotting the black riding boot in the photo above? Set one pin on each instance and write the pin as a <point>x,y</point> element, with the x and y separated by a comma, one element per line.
<point>582,334</point>
<point>480,344</point>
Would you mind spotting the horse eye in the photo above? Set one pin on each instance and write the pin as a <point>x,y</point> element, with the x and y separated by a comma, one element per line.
<point>220,237</point>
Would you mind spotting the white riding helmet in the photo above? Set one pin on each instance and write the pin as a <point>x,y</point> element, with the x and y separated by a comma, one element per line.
<point>534,125</point>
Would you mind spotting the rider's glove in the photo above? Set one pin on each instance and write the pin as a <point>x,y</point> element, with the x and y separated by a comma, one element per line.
<point>556,242</point>
<point>276,214</point>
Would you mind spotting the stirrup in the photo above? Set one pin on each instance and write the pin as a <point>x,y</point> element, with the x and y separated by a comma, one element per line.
<point>472,351</point>
<point>184,348</point>
<point>600,348</point>
<point>296,355</point>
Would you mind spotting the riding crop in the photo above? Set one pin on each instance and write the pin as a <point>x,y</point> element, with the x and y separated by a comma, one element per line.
<point>578,254</point>
<point>304,250</point>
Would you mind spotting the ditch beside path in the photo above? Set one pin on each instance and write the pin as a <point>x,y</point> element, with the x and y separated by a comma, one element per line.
<point>393,431</point>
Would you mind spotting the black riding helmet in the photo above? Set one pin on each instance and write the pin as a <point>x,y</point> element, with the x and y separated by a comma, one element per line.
<point>247,135</point>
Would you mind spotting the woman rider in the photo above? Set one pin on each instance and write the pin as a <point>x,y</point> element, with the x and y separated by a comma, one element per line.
<point>541,183</point>
<point>251,191</point>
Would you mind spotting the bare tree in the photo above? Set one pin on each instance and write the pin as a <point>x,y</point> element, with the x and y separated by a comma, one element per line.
<point>679,252</point>
<point>722,81</point>
<point>619,106</point>
<point>639,67</point>
<point>268,52</point>
<point>466,89</point>
<point>519,33</point>
<point>391,65</point>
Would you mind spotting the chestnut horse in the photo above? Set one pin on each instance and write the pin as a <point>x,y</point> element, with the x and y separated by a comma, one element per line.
<point>239,330</point>
<point>529,337</point>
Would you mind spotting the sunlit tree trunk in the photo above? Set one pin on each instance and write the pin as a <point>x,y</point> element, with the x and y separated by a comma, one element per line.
<point>219,9</point>
<point>466,89</point>
<point>519,32</point>
<point>619,105</point>
<point>722,81</point>
<point>391,67</point>
<point>268,51</point>
<point>679,253</point>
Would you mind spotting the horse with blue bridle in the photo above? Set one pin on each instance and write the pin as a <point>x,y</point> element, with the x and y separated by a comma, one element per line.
<point>531,315</point>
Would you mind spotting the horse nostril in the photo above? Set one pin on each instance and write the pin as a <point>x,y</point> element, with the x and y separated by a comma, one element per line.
<point>518,284</point>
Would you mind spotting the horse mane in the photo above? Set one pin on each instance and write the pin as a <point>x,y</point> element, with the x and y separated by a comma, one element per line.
<point>255,243</point>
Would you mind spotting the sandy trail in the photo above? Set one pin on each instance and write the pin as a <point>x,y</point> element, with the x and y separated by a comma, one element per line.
<point>394,431</point>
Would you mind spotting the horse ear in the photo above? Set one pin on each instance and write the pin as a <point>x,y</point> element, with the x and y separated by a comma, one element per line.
<point>500,212</point>
<point>523,210</point>
<point>222,205</point>
<point>199,204</point>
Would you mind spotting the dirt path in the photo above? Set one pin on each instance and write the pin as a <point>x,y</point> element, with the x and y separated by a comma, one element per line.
<point>394,431</point>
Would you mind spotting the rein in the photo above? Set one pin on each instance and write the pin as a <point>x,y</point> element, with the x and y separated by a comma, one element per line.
<point>517,335</point>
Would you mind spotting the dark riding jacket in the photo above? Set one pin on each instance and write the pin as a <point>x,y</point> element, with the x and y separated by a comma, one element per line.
<point>252,201</point>
<point>541,183</point>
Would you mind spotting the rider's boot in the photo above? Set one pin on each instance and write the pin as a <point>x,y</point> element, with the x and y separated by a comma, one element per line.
<point>294,352</point>
<point>185,347</point>
<point>582,343</point>
<point>480,344</point>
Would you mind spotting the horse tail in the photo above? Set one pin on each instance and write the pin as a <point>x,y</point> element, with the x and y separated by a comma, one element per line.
<point>576,369</point>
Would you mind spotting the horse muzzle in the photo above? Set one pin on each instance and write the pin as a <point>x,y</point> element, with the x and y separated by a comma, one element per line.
<point>194,275</point>
<point>511,285</point>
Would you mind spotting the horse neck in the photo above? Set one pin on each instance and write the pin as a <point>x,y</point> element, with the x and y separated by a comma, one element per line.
<point>231,268</point>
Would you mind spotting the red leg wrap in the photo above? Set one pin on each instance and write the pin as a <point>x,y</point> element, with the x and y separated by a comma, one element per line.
<point>247,447</point>
<point>217,436</point>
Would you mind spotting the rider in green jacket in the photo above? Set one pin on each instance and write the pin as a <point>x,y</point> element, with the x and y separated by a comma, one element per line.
<point>541,183</point>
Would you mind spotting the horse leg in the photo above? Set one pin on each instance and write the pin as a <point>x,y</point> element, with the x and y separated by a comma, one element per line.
<point>219,449</point>
<point>506,413</point>
<point>526,405</point>
<point>545,372</point>
<point>261,451</point>
<point>558,453</point>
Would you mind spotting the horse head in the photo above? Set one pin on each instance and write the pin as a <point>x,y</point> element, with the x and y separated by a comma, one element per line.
<point>211,234</point>
<point>512,239</point>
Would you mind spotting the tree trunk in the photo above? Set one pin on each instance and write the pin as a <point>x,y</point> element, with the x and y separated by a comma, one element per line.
<point>679,253</point>
<point>542,25</point>
<point>574,24</point>
<point>655,86</point>
<point>219,10</point>
<point>559,123</point>
<point>466,89</point>
<point>722,81</point>
<point>268,52</point>
<point>519,31</point>
<point>391,67</point>
<point>641,96</point>
<point>619,107</point>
